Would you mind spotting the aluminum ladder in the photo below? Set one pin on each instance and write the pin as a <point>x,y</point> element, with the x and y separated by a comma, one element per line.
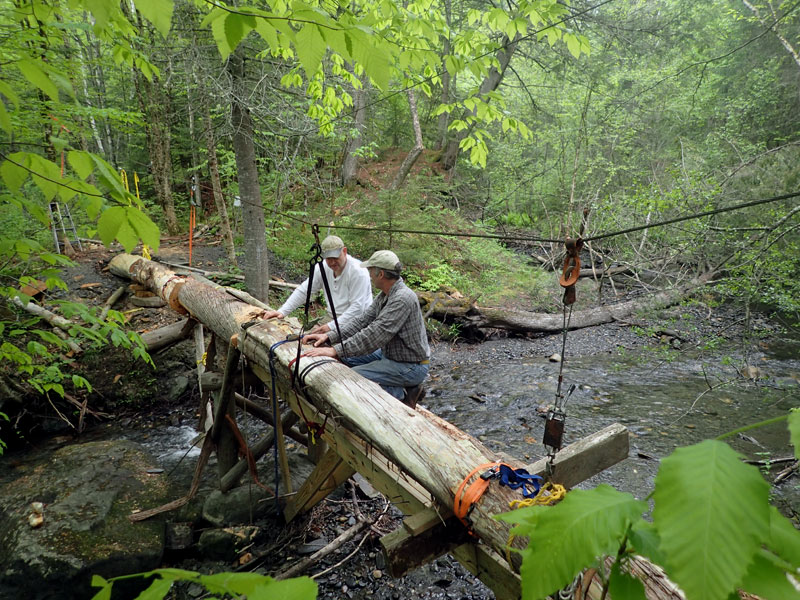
<point>60,219</point>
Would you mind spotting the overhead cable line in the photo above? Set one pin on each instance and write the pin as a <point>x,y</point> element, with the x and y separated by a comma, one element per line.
<point>707,213</point>
<point>601,236</point>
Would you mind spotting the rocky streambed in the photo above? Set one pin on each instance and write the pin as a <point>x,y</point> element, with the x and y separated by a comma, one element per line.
<point>684,376</point>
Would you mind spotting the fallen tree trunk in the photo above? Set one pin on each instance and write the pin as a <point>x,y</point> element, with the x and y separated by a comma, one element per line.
<point>442,306</point>
<point>167,335</point>
<point>430,451</point>
<point>62,326</point>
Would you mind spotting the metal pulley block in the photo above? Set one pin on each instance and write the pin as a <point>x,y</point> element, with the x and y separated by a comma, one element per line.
<point>554,429</point>
<point>554,424</point>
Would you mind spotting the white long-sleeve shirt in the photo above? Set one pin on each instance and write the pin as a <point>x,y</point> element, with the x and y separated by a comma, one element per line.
<point>351,292</point>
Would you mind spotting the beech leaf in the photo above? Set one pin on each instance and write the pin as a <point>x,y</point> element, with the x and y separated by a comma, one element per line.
<point>569,536</point>
<point>700,492</point>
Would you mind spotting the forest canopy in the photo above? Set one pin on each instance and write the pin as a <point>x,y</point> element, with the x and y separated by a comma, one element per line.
<point>516,117</point>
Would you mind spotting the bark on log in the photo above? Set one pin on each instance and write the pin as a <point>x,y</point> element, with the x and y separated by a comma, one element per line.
<point>185,270</point>
<point>431,451</point>
<point>61,324</point>
<point>442,307</point>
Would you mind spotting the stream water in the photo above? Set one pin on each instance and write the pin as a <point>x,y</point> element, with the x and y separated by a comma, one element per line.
<point>665,398</point>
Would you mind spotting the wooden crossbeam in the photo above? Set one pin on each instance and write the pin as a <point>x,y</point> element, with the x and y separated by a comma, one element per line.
<point>426,535</point>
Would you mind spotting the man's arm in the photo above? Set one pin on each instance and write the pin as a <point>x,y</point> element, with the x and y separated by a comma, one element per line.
<point>298,297</point>
<point>376,332</point>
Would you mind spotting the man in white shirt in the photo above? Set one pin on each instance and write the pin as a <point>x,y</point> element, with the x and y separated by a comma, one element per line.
<point>349,284</point>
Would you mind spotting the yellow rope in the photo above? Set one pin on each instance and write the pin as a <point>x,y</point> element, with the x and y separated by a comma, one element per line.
<point>549,494</point>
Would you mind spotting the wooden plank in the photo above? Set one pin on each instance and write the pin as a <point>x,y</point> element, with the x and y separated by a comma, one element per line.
<point>587,457</point>
<point>331,472</point>
<point>420,540</point>
<point>491,568</point>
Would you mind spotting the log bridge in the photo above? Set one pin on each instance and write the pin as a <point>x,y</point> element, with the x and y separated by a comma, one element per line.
<point>416,459</point>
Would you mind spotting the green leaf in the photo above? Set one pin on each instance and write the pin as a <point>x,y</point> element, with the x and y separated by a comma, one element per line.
<point>81,382</point>
<point>643,537</point>
<point>237,26</point>
<point>144,227</point>
<point>158,12</point>
<point>108,176</point>
<point>5,120</point>
<point>623,586</point>
<point>81,163</point>
<point>768,581</point>
<point>573,45</point>
<point>569,536</point>
<point>105,588</point>
<point>337,41</point>
<point>310,47</point>
<point>32,71</point>
<point>45,175</point>
<point>784,539</point>
<point>9,93</point>
<point>700,491</point>
<point>268,33</point>
<point>373,56</point>
<point>157,590</point>
<point>218,30</point>
<point>126,235</point>
<point>794,430</point>
<point>12,173</point>
<point>49,337</point>
<point>109,223</point>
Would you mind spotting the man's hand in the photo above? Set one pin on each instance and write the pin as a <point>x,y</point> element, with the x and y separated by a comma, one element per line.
<point>271,314</point>
<point>325,351</point>
<point>315,338</point>
<point>320,329</point>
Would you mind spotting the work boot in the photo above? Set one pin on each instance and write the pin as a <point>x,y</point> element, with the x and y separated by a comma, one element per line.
<point>413,395</point>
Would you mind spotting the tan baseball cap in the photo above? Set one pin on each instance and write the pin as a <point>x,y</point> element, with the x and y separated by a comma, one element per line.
<point>384,259</point>
<point>331,246</point>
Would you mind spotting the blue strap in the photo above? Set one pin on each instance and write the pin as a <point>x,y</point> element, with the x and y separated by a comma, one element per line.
<point>520,478</point>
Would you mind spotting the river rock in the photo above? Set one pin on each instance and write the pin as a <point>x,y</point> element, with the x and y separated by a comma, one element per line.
<point>87,492</point>
<point>238,505</point>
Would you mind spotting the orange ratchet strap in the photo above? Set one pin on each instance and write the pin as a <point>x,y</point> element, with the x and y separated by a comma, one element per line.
<point>465,500</point>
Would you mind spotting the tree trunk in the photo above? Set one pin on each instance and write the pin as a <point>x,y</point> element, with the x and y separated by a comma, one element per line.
<point>219,199</point>
<point>362,422</point>
<point>441,306</point>
<point>196,195</point>
<point>350,162</point>
<point>155,105</point>
<point>444,98</point>
<point>412,156</point>
<point>489,84</point>
<point>256,259</point>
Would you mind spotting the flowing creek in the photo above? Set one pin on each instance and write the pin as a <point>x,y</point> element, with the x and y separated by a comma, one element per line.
<point>665,403</point>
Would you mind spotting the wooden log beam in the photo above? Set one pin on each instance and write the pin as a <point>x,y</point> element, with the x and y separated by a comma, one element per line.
<point>328,475</point>
<point>379,436</point>
<point>441,306</point>
<point>257,450</point>
<point>62,325</point>
<point>166,336</point>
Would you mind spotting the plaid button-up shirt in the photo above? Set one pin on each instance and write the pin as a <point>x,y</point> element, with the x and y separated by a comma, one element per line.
<point>393,323</point>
